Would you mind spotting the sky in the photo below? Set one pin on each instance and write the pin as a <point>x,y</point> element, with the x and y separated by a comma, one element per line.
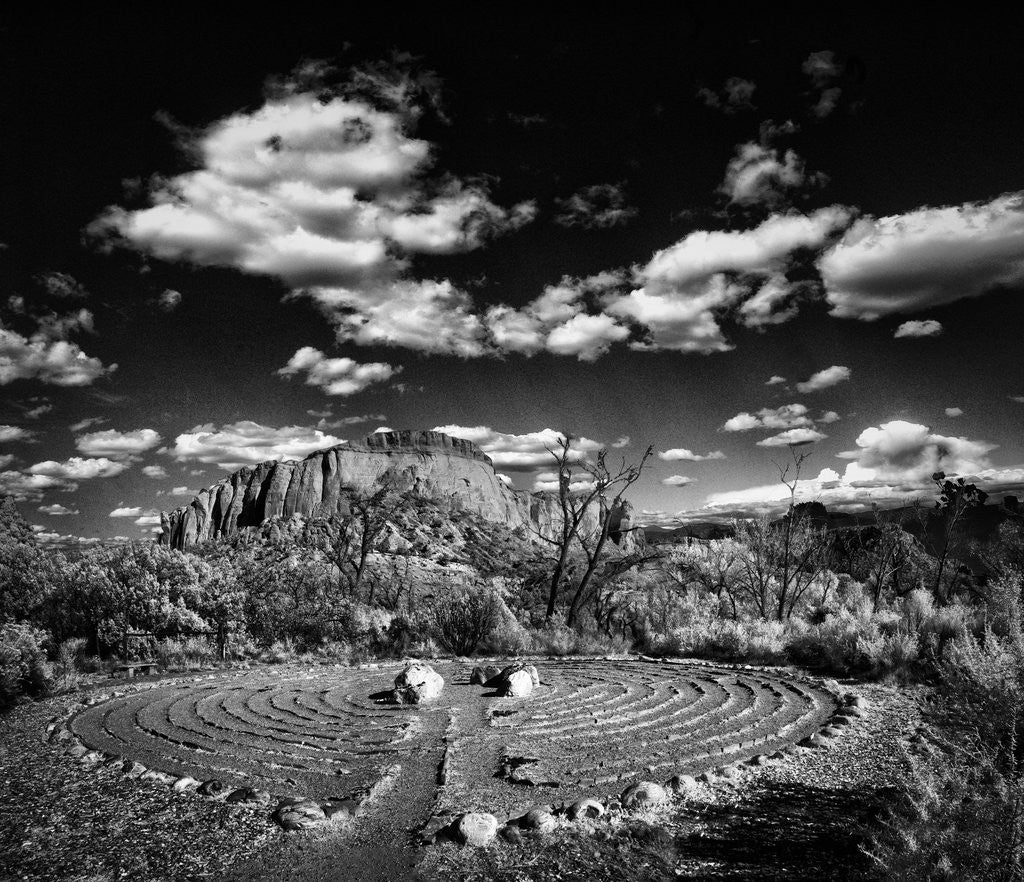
<point>732,234</point>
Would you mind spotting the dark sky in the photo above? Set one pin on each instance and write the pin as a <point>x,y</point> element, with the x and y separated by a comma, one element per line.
<point>666,212</point>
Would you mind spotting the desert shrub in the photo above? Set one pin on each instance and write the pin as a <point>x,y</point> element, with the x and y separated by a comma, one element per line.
<point>464,616</point>
<point>185,654</point>
<point>558,639</point>
<point>508,637</point>
<point>892,654</point>
<point>24,669</point>
<point>67,665</point>
<point>838,644</point>
<point>280,652</point>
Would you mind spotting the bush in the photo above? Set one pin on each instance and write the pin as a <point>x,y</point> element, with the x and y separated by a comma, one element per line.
<point>67,667</point>
<point>559,639</point>
<point>24,669</point>
<point>186,654</point>
<point>464,617</point>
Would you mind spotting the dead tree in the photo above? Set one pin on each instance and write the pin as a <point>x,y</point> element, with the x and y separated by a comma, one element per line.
<point>602,487</point>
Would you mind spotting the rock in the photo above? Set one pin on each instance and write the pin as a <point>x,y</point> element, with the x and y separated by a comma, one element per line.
<point>249,796</point>
<point>643,794</point>
<point>299,815</point>
<point>534,676</point>
<point>184,784</point>
<point>92,758</point>
<point>477,678</point>
<point>77,750</point>
<point>511,833</point>
<point>682,783</point>
<point>831,732</point>
<point>132,769</point>
<point>342,810</point>
<point>418,683</point>
<point>158,776</point>
<point>432,464</point>
<point>213,789</point>
<point>538,819</point>
<point>585,808</point>
<point>476,828</point>
<point>852,700</point>
<point>518,685</point>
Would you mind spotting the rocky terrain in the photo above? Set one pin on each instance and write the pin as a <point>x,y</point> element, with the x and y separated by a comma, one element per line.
<point>428,465</point>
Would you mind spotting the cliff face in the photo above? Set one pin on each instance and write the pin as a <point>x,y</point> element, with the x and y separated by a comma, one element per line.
<point>428,463</point>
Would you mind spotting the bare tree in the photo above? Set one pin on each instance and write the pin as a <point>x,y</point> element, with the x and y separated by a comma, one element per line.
<point>602,487</point>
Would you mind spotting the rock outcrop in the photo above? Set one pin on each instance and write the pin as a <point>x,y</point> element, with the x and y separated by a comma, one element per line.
<point>430,464</point>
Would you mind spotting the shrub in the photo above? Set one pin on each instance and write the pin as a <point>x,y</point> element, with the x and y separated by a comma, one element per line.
<point>24,669</point>
<point>186,654</point>
<point>67,665</point>
<point>464,617</point>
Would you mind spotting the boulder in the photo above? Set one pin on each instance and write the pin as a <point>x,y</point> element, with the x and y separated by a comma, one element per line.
<point>418,683</point>
<point>132,769</point>
<point>538,819</point>
<point>213,789</point>
<point>185,783</point>
<point>643,794</point>
<point>299,814</point>
<point>248,796</point>
<point>514,681</point>
<point>585,808</point>
<point>682,783</point>
<point>476,829</point>
<point>534,676</point>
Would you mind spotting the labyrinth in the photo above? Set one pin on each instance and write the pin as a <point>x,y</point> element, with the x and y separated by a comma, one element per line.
<point>590,728</point>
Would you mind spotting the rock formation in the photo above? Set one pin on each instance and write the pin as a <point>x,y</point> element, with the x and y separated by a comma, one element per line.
<point>430,464</point>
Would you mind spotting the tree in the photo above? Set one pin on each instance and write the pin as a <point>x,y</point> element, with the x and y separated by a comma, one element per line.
<point>956,498</point>
<point>603,488</point>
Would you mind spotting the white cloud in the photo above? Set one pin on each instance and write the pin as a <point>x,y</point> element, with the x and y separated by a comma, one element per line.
<point>925,258</point>
<point>825,379</point>
<point>758,175</point>
<point>775,380</point>
<point>547,482</point>
<point>381,429</point>
<point>125,512</point>
<point>621,442</point>
<point>829,416</point>
<point>792,438</point>
<point>62,286</point>
<point>169,300</point>
<point>6,459</point>
<point>154,471</point>
<point>39,357</point>
<point>87,423</point>
<point>78,468</point>
<point>774,303</point>
<point>31,487</point>
<point>247,443</point>
<point>596,207</point>
<point>337,376</point>
<point>824,71</point>
<point>57,510</point>
<point>328,191</point>
<point>586,336</point>
<point>119,445</point>
<point>925,328</point>
<point>676,481</point>
<point>149,519</point>
<point>681,454</point>
<point>954,412</point>
<point>10,434</point>
<point>734,97</point>
<point>786,416</point>
<point>685,288</point>
<point>520,453</point>
<point>39,410</point>
<point>1018,398</point>
<point>180,491</point>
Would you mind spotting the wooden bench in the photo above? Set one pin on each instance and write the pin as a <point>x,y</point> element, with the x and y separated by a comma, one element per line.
<point>146,667</point>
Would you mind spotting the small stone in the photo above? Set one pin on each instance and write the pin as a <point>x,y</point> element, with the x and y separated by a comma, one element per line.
<point>511,833</point>
<point>299,815</point>
<point>91,758</point>
<point>77,750</point>
<point>758,760</point>
<point>730,773</point>
<point>643,794</point>
<point>159,777</point>
<point>585,808</point>
<point>476,828</point>
<point>213,789</point>
<point>538,819</point>
<point>132,769</point>
<point>185,783</point>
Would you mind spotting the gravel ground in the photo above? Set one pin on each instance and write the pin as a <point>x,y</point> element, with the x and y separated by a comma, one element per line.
<point>797,818</point>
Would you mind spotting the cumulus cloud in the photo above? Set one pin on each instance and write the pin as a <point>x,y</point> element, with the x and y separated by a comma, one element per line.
<point>149,519</point>
<point>126,512</point>
<point>547,482</point>
<point>676,481</point>
<point>169,300</point>
<point>154,471</point>
<point>787,416</point>
<point>824,71</point>
<point>87,423</point>
<point>925,328</point>
<point>595,207</point>
<point>57,510</point>
<point>24,486</point>
<point>682,454</point>
<point>925,258</point>
<point>77,468</point>
<point>10,434</point>
<point>119,445</point>
<point>792,438</point>
<point>337,376</point>
<point>684,289</point>
<point>621,442</point>
<point>179,491</point>
<point>774,303</point>
<point>247,443</point>
<point>62,286</point>
<point>775,380</point>
<point>327,188</point>
<point>735,95</point>
<point>40,357</point>
<point>585,336</point>
<point>825,379</point>
<point>760,175</point>
<point>829,416</point>
<point>954,412</point>
<point>520,453</point>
